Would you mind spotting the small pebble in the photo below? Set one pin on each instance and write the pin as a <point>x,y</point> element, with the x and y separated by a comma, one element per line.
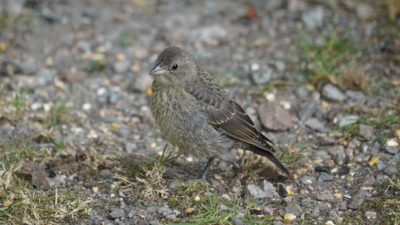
<point>289,217</point>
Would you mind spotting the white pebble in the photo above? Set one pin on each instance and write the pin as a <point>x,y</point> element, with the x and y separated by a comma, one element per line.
<point>47,106</point>
<point>36,105</point>
<point>254,66</point>
<point>92,135</point>
<point>101,91</point>
<point>87,106</point>
<point>392,143</point>
<point>270,96</point>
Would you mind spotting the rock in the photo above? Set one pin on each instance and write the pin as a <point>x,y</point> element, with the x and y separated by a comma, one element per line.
<point>355,95</point>
<point>294,209</point>
<point>130,147</point>
<point>210,35</point>
<point>117,213</point>
<point>307,111</point>
<point>314,17</point>
<point>315,124</point>
<point>390,170</point>
<point>223,207</point>
<point>333,93</point>
<point>366,131</point>
<point>348,120</point>
<point>236,221</point>
<point>324,195</point>
<point>27,67</point>
<point>340,155</point>
<point>12,7</point>
<point>307,180</point>
<point>165,211</point>
<point>269,190</point>
<point>324,177</point>
<point>357,200</point>
<point>121,66</point>
<point>123,131</point>
<point>391,150</point>
<point>333,214</point>
<point>155,222</point>
<point>274,117</point>
<point>260,76</point>
<point>364,11</point>
<point>256,191</point>
<point>143,82</point>
<point>44,76</point>
<point>344,170</point>
<point>288,218</point>
<point>341,205</point>
<point>273,5</point>
<point>371,215</point>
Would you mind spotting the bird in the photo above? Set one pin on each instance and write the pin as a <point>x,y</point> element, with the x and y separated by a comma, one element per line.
<point>197,115</point>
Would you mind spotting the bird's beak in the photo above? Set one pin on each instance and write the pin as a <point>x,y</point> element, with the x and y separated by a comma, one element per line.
<point>158,70</point>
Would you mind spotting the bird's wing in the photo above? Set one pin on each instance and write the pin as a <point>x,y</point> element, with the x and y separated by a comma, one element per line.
<point>226,115</point>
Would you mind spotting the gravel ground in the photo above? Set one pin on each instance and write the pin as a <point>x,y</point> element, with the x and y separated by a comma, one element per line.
<point>78,144</point>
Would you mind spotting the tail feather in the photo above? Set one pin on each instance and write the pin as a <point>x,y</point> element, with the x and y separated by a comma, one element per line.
<point>273,159</point>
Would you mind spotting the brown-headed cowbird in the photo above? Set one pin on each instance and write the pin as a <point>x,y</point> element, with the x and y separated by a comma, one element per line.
<point>198,116</point>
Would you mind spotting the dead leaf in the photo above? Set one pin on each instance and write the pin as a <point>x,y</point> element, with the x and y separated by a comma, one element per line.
<point>393,8</point>
<point>251,13</point>
<point>38,175</point>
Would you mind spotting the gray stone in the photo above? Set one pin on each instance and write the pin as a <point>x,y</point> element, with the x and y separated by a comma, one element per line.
<point>340,155</point>
<point>366,131</point>
<point>314,17</point>
<point>256,191</point>
<point>130,147</point>
<point>223,207</point>
<point>307,111</point>
<point>307,180</point>
<point>364,11</point>
<point>294,209</point>
<point>324,177</point>
<point>391,150</point>
<point>315,124</point>
<point>155,222</point>
<point>333,214</point>
<point>331,92</point>
<point>260,76</point>
<point>355,95</point>
<point>324,195</point>
<point>210,35</point>
<point>269,190</point>
<point>357,200</point>
<point>27,67</point>
<point>371,215</point>
<point>237,221</point>
<point>142,82</point>
<point>117,213</point>
<point>165,211</point>
<point>274,117</point>
<point>44,76</point>
<point>348,120</point>
<point>123,131</point>
<point>341,205</point>
<point>390,170</point>
<point>122,66</point>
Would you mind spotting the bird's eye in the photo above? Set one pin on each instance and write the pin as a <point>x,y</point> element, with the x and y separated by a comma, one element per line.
<point>174,67</point>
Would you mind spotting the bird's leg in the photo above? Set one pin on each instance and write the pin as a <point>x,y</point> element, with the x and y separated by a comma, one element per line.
<point>205,170</point>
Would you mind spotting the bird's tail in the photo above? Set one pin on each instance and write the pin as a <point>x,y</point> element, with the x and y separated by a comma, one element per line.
<point>272,158</point>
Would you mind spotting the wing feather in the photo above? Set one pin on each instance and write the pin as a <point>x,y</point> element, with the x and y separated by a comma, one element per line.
<point>226,115</point>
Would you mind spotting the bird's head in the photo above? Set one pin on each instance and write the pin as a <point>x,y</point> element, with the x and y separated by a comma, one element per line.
<point>174,66</point>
